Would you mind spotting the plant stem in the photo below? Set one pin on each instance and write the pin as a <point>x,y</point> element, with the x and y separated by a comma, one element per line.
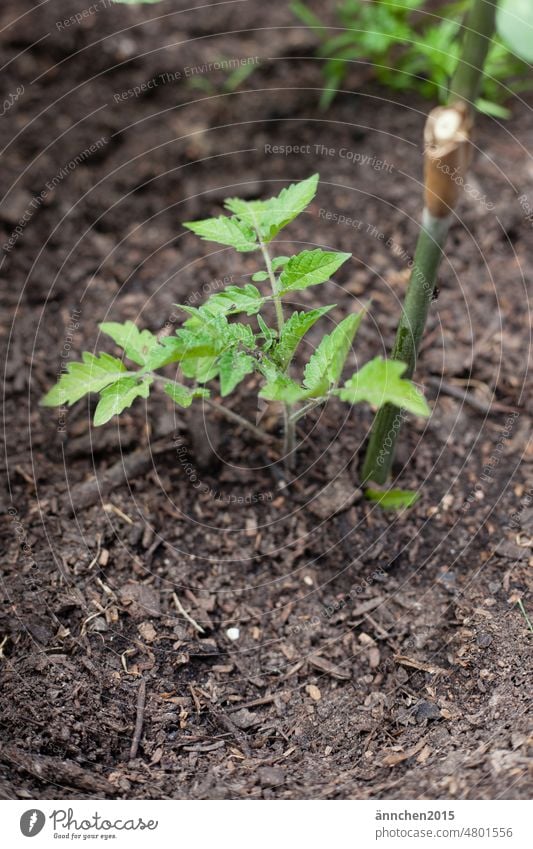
<point>429,249</point>
<point>478,33</point>
<point>298,414</point>
<point>380,451</point>
<point>289,430</point>
<point>273,284</point>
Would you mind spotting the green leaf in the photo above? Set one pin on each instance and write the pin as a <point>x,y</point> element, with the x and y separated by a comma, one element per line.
<point>309,268</point>
<point>93,374</point>
<point>137,343</point>
<point>268,217</point>
<point>182,395</point>
<point>392,499</point>
<point>269,335</point>
<point>168,350</point>
<point>201,369</point>
<point>282,388</point>
<point>379,382</point>
<point>115,398</point>
<point>293,332</point>
<point>279,262</point>
<point>324,368</point>
<point>225,231</point>
<point>233,367</point>
<point>514,21</point>
<point>232,300</point>
<point>259,276</point>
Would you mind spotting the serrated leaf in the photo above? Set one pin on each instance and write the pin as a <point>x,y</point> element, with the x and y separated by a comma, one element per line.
<point>182,395</point>
<point>309,268</point>
<point>283,388</point>
<point>168,350</point>
<point>93,374</point>
<point>380,382</point>
<point>233,367</point>
<point>268,217</point>
<point>115,398</point>
<point>324,368</point>
<point>293,332</point>
<point>279,262</point>
<point>225,231</point>
<point>392,499</point>
<point>136,343</point>
<point>201,369</point>
<point>269,335</point>
<point>231,301</point>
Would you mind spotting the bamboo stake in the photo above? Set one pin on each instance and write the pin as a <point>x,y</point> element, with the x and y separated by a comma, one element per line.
<point>446,157</point>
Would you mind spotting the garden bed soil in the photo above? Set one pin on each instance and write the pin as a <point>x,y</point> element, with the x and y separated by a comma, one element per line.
<point>379,655</point>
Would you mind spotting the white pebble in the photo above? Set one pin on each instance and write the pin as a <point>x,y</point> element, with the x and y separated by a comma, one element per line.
<point>233,633</point>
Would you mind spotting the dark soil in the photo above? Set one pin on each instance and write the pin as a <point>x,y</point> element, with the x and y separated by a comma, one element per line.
<point>380,655</point>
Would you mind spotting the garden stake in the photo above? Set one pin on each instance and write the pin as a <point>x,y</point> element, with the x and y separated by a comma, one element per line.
<point>446,158</point>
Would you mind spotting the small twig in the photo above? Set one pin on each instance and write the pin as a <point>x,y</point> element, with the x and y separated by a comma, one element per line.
<point>141,703</point>
<point>2,644</point>
<point>94,561</point>
<point>195,699</point>
<point>187,616</point>
<point>520,604</point>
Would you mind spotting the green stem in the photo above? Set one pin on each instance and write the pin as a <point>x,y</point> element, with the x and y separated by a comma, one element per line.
<point>387,424</point>
<point>429,249</point>
<point>478,32</point>
<point>289,429</point>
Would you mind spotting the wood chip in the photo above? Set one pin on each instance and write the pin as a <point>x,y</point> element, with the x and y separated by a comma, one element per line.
<point>395,758</point>
<point>417,664</point>
<point>313,691</point>
<point>329,668</point>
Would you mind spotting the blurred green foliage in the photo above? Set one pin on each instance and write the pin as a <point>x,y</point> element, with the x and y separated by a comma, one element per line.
<point>413,45</point>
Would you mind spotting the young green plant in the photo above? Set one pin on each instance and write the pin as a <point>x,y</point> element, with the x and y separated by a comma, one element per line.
<point>214,350</point>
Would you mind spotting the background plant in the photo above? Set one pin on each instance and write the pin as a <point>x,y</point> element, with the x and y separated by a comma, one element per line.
<point>214,346</point>
<point>413,46</point>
